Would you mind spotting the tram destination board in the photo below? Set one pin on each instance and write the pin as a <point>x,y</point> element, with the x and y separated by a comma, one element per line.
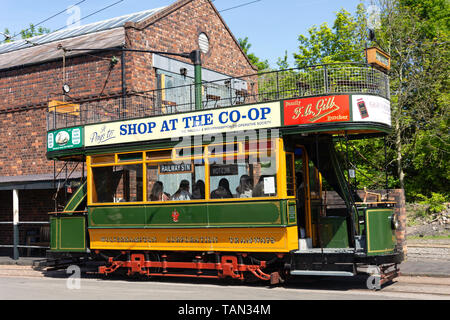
<point>175,168</point>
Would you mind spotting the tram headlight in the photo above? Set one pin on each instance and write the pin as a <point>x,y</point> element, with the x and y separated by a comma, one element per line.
<point>394,222</point>
<point>66,88</point>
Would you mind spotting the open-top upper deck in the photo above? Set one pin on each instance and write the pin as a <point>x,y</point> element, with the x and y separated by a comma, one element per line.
<point>345,97</point>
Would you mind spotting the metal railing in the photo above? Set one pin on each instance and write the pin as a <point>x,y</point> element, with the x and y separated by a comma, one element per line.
<point>32,240</point>
<point>339,78</point>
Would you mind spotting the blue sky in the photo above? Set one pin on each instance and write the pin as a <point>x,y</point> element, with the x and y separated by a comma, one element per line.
<point>272,26</point>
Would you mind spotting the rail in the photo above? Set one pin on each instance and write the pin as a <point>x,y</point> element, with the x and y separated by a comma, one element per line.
<point>39,239</point>
<point>255,88</point>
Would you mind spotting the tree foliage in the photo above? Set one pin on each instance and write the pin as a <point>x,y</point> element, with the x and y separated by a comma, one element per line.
<point>416,34</point>
<point>245,45</point>
<point>30,32</point>
<point>343,42</point>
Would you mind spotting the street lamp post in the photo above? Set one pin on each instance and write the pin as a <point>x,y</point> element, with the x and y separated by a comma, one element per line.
<point>196,58</point>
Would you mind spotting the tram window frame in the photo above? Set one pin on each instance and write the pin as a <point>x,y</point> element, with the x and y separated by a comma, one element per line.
<point>127,184</point>
<point>244,152</point>
<point>205,156</point>
<point>161,176</point>
<point>223,149</point>
<point>103,159</point>
<point>290,178</point>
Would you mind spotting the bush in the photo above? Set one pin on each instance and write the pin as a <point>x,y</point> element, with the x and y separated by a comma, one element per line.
<point>435,204</point>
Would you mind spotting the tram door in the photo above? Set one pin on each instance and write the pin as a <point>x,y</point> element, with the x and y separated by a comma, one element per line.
<point>301,193</point>
<point>309,195</point>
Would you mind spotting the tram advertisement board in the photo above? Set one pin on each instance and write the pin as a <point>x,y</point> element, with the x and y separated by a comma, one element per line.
<point>324,109</point>
<point>207,122</point>
<point>371,108</point>
<point>64,139</point>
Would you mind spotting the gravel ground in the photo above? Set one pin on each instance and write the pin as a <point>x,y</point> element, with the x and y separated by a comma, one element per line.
<point>431,229</point>
<point>428,253</point>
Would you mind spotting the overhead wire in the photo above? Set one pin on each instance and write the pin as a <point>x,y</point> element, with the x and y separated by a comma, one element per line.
<point>211,14</point>
<point>117,2</point>
<point>43,21</point>
<point>90,15</point>
<point>241,5</point>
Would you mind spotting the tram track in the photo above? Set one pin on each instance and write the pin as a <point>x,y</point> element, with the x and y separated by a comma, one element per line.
<point>404,287</point>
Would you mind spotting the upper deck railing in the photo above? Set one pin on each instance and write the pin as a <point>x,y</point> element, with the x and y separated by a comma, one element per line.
<point>339,78</point>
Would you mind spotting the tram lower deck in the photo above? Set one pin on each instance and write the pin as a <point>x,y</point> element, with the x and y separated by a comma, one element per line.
<point>246,209</point>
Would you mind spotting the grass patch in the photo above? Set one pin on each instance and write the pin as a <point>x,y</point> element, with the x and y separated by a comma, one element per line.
<point>439,237</point>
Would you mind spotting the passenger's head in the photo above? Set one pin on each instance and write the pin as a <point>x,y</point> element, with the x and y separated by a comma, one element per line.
<point>184,185</point>
<point>224,184</point>
<point>245,184</point>
<point>158,187</point>
<point>198,190</point>
<point>200,184</point>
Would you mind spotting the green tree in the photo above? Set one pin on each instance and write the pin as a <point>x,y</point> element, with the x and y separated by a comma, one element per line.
<point>245,45</point>
<point>416,34</point>
<point>33,31</point>
<point>283,63</point>
<point>30,32</point>
<point>344,42</point>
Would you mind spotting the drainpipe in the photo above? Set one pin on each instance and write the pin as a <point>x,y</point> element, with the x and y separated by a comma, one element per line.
<point>124,85</point>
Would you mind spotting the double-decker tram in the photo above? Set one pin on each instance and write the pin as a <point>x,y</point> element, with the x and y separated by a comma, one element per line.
<point>236,190</point>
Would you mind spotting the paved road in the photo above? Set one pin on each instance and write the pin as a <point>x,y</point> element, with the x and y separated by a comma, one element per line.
<point>24,283</point>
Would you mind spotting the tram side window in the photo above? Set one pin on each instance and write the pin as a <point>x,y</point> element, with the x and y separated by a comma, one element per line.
<point>290,165</point>
<point>180,181</point>
<point>242,177</point>
<point>118,184</point>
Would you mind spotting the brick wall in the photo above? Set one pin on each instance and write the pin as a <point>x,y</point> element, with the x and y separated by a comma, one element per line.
<point>32,86</point>
<point>25,92</point>
<point>23,132</point>
<point>178,32</point>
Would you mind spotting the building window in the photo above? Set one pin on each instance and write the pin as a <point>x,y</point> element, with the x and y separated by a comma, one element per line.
<point>176,92</point>
<point>203,43</point>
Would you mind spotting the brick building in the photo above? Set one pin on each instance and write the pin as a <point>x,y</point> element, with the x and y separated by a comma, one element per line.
<point>33,72</point>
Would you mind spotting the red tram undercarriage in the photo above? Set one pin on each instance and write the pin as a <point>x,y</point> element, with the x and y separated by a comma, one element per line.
<point>240,266</point>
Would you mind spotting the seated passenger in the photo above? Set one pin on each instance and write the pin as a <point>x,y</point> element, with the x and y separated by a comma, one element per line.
<point>158,193</point>
<point>223,191</point>
<point>198,190</point>
<point>183,192</point>
<point>245,188</point>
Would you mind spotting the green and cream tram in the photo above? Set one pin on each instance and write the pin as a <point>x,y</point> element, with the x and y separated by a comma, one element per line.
<point>235,190</point>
